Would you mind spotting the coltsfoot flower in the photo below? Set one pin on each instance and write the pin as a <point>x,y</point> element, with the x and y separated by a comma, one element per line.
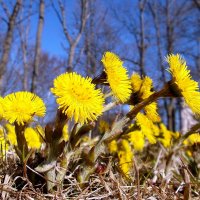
<point>136,138</point>
<point>11,135</point>
<point>1,107</point>
<point>166,136</point>
<point>65,133</point>
<point>112,146</point>
<point>3,143</point>
<point>125,156</point>
<point>146,126</point>
<point>181,77</point>
<point>117,76</point>
<point>21,107</point>
<point>143,89</point>
<point>192,139</point>
<point>32,138</point>
<point>77,97</point>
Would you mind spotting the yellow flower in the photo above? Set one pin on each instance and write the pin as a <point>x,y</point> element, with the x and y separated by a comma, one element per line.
<point>21,107</point>
<point>125,156</point>
<point>143,88</point>
<point>65,133</point>
<point>136,82</point>
<point>77,97</point>
<point>192,139</point>
<point>117,76</point>
<point>146,126</point>
<point>166,136</point>
<point>147,85</point>
<point>151,112</point>
<point>11,135</point>
<point>156,130</point>
<point>112,146</point>
<point>3,144</point>
<point>1,107</point>
<point>136,138</point>
<point>32,138</point>
<point>146,91</point>
<point>188,88</point>
<point>176,134</point>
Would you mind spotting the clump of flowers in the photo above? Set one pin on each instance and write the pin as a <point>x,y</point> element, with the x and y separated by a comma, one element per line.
<point>32,136</point>
<point>87,140</point>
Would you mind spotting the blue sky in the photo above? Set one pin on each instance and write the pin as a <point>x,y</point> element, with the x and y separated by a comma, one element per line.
<point>52,36</point>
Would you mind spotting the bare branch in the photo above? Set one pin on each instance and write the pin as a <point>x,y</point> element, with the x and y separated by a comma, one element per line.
<point>73,42</point>
<point>6,10</point>
<point>38,44</point>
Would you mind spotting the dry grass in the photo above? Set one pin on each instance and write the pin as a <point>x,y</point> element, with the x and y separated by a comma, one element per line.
<point>147,182</point>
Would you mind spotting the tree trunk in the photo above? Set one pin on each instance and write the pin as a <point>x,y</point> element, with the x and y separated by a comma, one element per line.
<point>38,47</point>
<point>8,41</point>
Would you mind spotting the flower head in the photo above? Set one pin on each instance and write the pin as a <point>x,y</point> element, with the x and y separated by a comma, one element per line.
<point>136,138</point>
<point>11,135</point>
<point>117,76</point>
<point>151,112</point>
<point>166,136</point>
<point>3,143</point>
<point>192,139</point>
<point>77,97</point>
<point>181,77</point>
<point>146,126</point>
<point>125,156</point>
<point>21,107</point>
<point>143,89</point>
<point>136,82</point>
<point>112,146</point>
<point>1,107</point>
<point>65,133</point>
<point>32,138</point>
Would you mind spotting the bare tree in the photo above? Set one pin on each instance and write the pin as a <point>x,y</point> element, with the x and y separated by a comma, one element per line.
<point>73,41</point>
<point>135,24</point>
<point>24,31</point>
<point>38,46</point>
<point>153,7</point>
<point>142,45</point>
<point>8,37</point>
